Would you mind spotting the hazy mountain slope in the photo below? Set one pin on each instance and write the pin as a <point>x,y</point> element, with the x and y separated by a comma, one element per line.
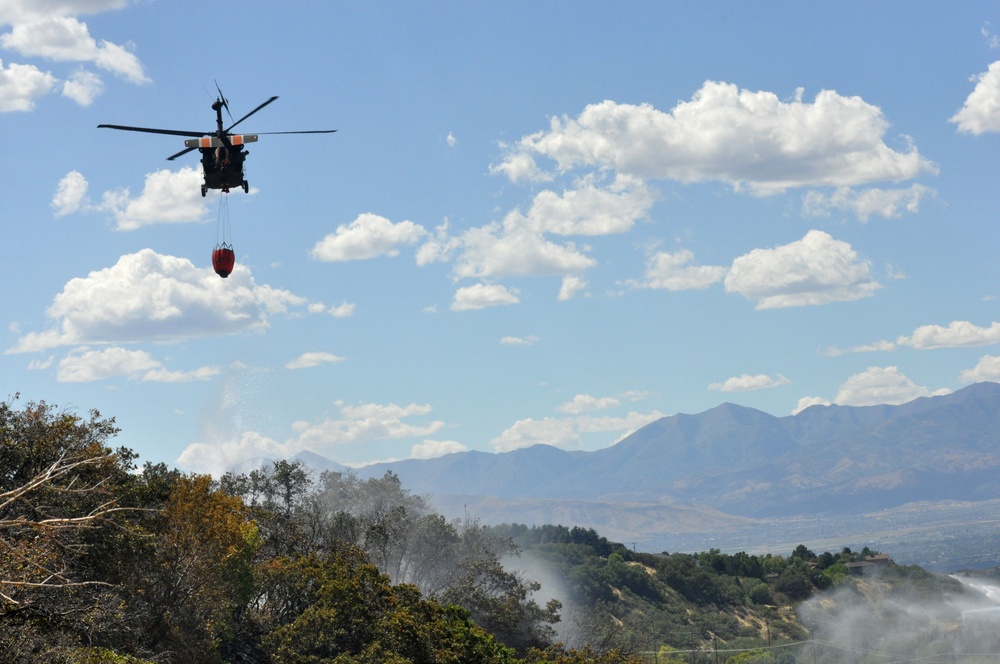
<point>833,460</point>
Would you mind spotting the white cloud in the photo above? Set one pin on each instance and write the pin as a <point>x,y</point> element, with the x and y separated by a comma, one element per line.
<point>888,203</point>
<point>23,11</point>
<point>519,341</point>
<point>958,334</point>
<point>83,365</point>
<point>82,87</point>
<point>151,297</point>
<point>584,403</point>
<point>167,197</point>
<point>218,456</point>
<point>431,449</point>
<point>451,140</point>
<point>314,359</point>
<point>571,285</point>
<point>165,376</point>
<point>481,296</point>
<point>493,251</point>
<point>626,425</point>
<point>814,270</point>
<point>746,382</point>
<point>881,385</point>
<point>360,423</point>
<point>21,85</point>
<point>806,402</point>
<point>558,432</point>
<point>566,432</point>
<point>366,422</point>
<point>877,347</point>
<point>674,272</point>
<point>343,310</point>
<point>589,209</point>
<point>986,369</point>
<point>368,236</point>
<point>518,246</point>
<point>71,194</point>
<point>726,134</point>
<point>875,386</point>
<point>65,39</point>
<point>981,111</point>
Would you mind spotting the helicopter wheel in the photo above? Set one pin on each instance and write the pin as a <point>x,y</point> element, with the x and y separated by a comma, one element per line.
<point>204,189</point>
<point>246,187</point>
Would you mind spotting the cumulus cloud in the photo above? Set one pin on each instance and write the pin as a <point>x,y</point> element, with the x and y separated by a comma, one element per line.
<point>625,425</point>
<point>313,359</point>
<point>368,236</point>
<point>876,347</point>
<point>584,403</point>
<point>215,457</point>
<point>50,30</point>
<point>589,209</point>
<point>957,334</point>
<point>366,422</point>
<point>986,369</point>
<point>814,270</point>
<point>71,194</point>
<point>508,250</point>
<point>726,134</point>
<point>981,111</point>
<point>82,87</point>
<point>875,386</point>
<point>558,432</point>
<point>747,382</point>
<point>675,272</point>
<point>481,296</point>
<point>168,197</point>
<point>567,431</point>
<point>431,449</point>
<point>887,203</point>
<point>571,285</point>
<point>65,39</point>
<point>147,296</point>
<point>519,341</point>
<point>21,85</point>
<point>83,365</point>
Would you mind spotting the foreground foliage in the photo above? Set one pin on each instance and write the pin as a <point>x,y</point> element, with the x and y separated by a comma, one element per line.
<point>103,562</point>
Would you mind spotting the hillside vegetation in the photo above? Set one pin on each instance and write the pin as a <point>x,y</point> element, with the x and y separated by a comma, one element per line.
<point>101,561</point>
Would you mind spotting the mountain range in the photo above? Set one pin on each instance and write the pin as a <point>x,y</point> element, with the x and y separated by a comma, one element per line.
<point>731,465</point>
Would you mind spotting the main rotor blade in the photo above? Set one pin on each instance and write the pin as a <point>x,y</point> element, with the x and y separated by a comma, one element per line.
<point>251,113</point>
<point>171,132</point>
<point>311,131</point>
<point>181,153</point>
<point>225,102</point>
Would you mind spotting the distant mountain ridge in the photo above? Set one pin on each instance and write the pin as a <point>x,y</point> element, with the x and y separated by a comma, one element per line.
<point>742,462</point>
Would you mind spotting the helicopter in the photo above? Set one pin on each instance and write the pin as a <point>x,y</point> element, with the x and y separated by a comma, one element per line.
<point>222,152</point>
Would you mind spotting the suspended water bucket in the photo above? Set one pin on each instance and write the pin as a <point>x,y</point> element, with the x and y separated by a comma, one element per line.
<point>223,260</point>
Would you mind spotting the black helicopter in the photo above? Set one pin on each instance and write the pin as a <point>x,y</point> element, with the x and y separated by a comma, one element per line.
<point>222,153</point>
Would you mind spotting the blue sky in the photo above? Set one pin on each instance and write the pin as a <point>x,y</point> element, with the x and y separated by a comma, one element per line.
<point>538,222</point>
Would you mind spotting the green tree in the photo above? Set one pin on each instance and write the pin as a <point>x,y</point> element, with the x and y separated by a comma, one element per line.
<point>57,479</point>
<point>339,607</point>
<point>199,578</point>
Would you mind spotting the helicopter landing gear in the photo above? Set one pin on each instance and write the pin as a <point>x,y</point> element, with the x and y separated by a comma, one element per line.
<point>246,187</point>
<point>204,190</point>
